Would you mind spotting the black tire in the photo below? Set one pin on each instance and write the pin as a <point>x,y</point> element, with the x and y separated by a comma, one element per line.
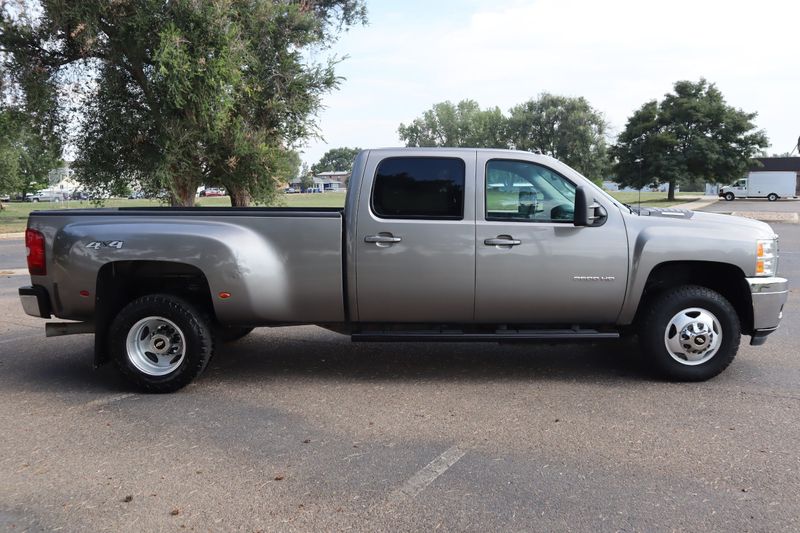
<point>193,330</point>
<point>729,196</point>
<point>772,197</point>
<point>663,309</point>
<point>232,333</point>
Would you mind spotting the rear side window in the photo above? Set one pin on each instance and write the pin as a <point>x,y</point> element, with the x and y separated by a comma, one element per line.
<point>419,187</point>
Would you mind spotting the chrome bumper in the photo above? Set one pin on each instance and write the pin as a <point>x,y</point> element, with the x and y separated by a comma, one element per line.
<point>769,296</point>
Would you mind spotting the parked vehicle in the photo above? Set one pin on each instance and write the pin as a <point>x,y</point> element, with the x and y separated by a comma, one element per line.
<point>79,195</point>
<point>432,245</point>
<point>770,185</point>
<point>45,196</point>
<point>5,197</point>
<point>289,190</point>
<point>213,192</point>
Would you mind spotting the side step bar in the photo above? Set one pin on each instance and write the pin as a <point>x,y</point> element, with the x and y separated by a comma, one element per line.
<point>498,336</point>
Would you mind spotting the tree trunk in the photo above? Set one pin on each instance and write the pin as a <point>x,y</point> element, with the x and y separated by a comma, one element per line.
<point>240,197</point>
<point>671,190</point>
<point>182,195</point>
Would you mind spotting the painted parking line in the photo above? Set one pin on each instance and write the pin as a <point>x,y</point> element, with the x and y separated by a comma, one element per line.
<point>15,339</point>
<point>427,475</point>
<point>99,402</point>
<point>13,271</point>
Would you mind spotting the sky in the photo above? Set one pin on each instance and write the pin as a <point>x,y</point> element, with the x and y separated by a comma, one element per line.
<point>618,54</point>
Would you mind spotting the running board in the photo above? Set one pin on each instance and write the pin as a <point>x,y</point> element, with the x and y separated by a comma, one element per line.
<point>499,336</point>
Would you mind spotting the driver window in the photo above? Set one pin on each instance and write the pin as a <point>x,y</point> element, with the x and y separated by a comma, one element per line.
<point>527,192</point>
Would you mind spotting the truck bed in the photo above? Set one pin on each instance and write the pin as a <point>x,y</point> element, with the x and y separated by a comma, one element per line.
<point>279,265</point>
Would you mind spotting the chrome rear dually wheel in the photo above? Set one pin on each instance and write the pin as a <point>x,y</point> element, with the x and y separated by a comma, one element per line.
<point>156,346</point>
<point>161,342</point>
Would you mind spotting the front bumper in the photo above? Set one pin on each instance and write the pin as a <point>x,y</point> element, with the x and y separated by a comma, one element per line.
<point>769,296</point>
<point>35,301</point>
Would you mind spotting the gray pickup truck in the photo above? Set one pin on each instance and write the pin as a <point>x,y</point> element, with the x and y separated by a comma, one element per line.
<point>432,245</point>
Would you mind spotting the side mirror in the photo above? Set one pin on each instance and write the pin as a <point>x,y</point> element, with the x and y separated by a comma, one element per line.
<point>586,213</point>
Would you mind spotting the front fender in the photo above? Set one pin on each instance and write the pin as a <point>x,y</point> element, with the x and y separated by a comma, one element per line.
<point>675,241</point>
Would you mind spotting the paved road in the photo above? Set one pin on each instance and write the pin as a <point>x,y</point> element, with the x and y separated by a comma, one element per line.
<point>297,429</point>
<point>782,206</point>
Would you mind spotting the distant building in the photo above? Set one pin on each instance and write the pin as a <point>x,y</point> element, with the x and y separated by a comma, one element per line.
<point>777,164</point>
<point>62,179</point>
<point>325,182</point>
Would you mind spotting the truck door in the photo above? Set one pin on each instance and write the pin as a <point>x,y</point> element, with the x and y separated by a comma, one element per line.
<point>532,264</point>
<point>415,238</point>
<point>740,188</point>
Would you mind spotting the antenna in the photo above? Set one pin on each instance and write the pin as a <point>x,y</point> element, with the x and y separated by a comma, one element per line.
<point>639,161</point>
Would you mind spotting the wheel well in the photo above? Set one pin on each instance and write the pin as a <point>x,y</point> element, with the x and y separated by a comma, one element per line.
<point>726,279</point>
<point>121,282</point>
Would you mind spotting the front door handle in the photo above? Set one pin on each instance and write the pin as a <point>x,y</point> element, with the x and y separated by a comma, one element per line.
<point>382,238</point>
<point>502,240</point>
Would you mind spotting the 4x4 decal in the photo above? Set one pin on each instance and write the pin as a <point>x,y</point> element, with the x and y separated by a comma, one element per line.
<point>96,245</point>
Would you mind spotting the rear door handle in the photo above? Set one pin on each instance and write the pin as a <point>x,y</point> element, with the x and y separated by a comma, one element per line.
<point>502,240</point>
<point>382,238</point>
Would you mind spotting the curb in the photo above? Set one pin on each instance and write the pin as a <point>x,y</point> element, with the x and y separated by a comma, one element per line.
<point>780,217</point>
<point>9,236</point>
<point>763,216</point>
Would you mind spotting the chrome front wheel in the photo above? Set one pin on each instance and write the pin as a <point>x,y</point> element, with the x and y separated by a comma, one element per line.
<point>693,336</point>
<point>689,333</point>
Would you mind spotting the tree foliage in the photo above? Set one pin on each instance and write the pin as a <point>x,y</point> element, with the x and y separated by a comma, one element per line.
<point>559,126</point>
<point>692,134</point>
<point>27,152</point>
<point>182,93</point>
<point>563,127</point>
<point>336,160</point>
<point>462,124</point>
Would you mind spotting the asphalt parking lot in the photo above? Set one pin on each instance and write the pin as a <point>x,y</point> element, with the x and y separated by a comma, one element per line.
<point>782,205</point>
<point>298,429</point>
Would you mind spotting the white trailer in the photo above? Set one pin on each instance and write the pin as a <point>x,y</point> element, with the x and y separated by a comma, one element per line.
<point>764,184</point>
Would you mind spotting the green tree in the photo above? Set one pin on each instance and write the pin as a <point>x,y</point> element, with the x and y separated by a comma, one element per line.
<point>307,181</point>
<point>566,128</point>
<point>464,124</point>
<point>27,152</point>
<point>691,135</point>
<point>336,160</point>
<point>180,93</point>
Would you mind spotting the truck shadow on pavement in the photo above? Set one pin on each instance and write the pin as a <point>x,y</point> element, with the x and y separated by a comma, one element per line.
<point>265,356</point>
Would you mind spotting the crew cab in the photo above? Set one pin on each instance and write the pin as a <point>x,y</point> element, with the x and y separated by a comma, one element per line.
<point>432,245</point>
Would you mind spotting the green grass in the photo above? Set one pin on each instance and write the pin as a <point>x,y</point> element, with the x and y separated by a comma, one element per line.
<point>15,215</point>
<point>655,199</point>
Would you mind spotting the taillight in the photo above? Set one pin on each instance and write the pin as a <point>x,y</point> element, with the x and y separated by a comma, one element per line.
<point>34,242</point>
